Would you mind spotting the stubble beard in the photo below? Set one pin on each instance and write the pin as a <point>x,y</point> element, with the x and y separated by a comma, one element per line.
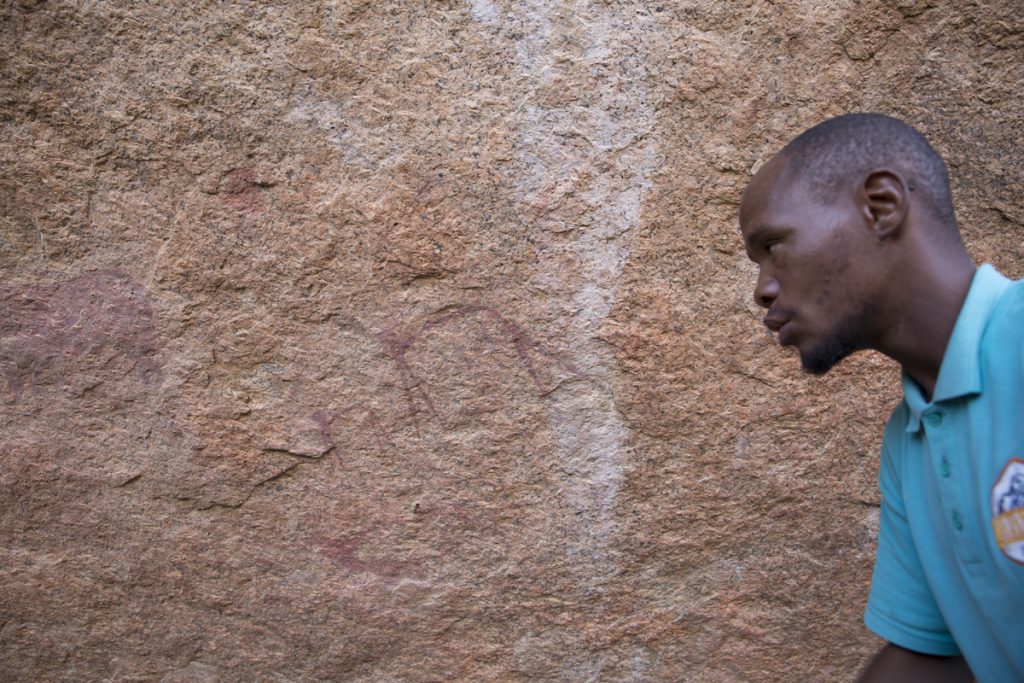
<point>847,337</point>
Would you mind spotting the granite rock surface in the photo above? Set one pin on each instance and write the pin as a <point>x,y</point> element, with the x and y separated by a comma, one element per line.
<point>414,341</point>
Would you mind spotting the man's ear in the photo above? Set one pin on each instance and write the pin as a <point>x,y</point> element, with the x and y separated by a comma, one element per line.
<point>885,201</point>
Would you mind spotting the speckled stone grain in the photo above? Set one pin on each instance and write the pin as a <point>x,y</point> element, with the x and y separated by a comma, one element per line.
<point>414,341</point>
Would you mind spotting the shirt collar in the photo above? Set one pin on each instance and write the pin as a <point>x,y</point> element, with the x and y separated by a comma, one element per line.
<point>960,372</point>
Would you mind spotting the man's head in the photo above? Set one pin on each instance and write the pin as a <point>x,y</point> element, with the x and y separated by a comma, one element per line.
<point>826,222</point>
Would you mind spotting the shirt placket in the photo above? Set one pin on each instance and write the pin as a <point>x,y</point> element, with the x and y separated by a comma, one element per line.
<point>939,429</point>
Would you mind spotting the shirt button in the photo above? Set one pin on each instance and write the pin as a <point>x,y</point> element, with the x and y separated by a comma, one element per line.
<point>957,522</point>
<point>944,467</point>
<point>934,419</point>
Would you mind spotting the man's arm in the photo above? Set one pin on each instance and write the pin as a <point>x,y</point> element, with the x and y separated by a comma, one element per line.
<point>896,665</point>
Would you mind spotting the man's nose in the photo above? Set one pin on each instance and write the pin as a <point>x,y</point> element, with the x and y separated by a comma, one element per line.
<point>767,289</point>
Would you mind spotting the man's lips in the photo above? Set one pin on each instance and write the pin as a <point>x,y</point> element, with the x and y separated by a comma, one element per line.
<point>785,338</point>
<point>780,325</point>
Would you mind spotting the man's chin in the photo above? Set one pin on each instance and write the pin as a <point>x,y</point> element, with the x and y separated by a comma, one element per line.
<point>820,360</point>
<point>815,368</point>
<point>846,338</point>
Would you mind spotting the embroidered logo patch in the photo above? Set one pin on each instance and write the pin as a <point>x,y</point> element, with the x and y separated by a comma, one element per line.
<point>1008,510</point>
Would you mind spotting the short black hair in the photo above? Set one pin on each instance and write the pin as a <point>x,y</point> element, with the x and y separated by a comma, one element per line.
<point>828,154</point>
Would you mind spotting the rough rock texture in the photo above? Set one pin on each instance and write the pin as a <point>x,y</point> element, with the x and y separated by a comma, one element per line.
<point>413,341</point>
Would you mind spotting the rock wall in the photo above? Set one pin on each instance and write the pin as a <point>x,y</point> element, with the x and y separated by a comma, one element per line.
<point>414,341</point>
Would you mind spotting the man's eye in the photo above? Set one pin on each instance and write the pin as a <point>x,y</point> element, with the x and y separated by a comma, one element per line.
<point>769,246</point>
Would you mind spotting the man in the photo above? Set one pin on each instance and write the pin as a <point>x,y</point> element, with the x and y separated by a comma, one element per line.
<point>853,231</point>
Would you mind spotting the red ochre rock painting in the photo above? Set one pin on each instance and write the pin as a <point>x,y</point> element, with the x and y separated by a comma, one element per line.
<point>372,548</point>
<point>540,364</point>
<point>391,547</point>
<point>242,191</point>
<point>50,333</point>
<point>355,553</point>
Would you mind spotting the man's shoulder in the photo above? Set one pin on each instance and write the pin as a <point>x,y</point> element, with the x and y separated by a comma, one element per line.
<point>1015,288</point>
<point>1007,312</point>
<point>1002,343</point>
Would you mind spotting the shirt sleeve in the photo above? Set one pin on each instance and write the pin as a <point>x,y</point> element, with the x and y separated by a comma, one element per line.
<point>901,608</point>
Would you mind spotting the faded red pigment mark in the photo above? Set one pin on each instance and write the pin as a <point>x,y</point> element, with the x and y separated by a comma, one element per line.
<point>243,192</point>
<point>398,343</point>
<point>354,554</point>
<point>323,422</point>
<point>370,421</point>
<point>50,330</point>
<point>365,551</point>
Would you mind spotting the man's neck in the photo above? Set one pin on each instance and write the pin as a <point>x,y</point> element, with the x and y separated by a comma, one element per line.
<point>931,308</point>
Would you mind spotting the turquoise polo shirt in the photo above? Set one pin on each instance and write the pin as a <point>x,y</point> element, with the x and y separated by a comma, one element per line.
<point>949,575</point>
